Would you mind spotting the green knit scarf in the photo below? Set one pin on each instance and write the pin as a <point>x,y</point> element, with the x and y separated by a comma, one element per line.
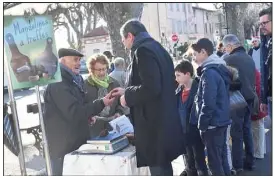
<point>101,83</point>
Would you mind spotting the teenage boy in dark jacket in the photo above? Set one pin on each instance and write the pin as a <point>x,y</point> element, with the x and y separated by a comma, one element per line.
<point>195,156</point>
<point>212,105</point>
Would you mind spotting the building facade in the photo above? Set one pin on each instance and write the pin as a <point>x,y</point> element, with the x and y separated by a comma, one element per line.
<point>162,20</point>
<point>97,41</point>
<point>188,21</point>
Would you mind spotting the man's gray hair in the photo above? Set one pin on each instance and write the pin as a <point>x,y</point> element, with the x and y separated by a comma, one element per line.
<point>231,39</point>
<point>119,62</point>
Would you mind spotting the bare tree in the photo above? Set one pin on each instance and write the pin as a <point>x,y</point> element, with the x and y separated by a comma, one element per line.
<point>10,5</point>
<point>115,15</point>
<point>242,17</point>
<point>236,14</point>
<point>267,4</point>
<point>251,25</point>
<point>77,18</point>
<point>75,15</point>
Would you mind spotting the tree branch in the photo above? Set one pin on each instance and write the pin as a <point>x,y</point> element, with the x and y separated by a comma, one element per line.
<point>10,5</point>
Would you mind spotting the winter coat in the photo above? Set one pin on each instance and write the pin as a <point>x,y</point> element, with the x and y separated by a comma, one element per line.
<point>153,103</point>
<point>92,94</point>
<point>212,101</point>
<point>258,90</point>
<point>246,68</point>
<point>66,115</point>
<point>119,76</point>
<point>186,109</point>
<point>266,68</point>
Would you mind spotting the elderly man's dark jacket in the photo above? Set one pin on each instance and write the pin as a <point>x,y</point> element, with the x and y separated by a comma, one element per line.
<point>245,65</point>
<point>66,115</point>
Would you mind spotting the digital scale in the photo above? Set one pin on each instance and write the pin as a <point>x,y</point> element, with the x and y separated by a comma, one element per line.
<point>110,144</point>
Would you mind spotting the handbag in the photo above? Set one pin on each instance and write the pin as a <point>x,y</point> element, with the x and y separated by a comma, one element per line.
<point>237,100</point>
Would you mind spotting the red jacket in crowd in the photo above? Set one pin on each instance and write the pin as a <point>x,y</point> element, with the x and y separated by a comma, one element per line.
<point>258,91</point>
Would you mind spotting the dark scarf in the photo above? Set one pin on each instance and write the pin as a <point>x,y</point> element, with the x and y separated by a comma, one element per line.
<point>77,79</point>
<point>256,48</point>
<point>139,39</point>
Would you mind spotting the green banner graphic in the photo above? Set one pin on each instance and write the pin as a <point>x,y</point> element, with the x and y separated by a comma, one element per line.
<point>31,51</point>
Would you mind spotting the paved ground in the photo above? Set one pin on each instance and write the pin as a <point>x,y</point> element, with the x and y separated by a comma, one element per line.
<point>35,164</point>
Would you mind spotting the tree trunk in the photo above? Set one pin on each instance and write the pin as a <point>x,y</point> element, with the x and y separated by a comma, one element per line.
<point>248,33</point>
<point>117,45</point>
<point>116,14</point>
<point>236,12</point>
<point>248,30</point>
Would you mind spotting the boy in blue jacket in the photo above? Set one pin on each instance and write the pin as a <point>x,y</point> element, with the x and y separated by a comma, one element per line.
<point>195,156</point>
<point>212,105</point>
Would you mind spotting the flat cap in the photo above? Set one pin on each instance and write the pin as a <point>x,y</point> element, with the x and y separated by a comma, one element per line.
<point>68,52</point>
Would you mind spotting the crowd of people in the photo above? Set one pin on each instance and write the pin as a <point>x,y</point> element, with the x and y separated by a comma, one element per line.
<point>194,118</point>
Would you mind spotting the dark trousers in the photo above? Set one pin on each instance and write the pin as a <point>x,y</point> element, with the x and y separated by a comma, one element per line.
<point>195,155</point>
<point>236,133</point>
<point>247,137</point>
<point>241,133</point>
<point>165,170</point>
<point>57,166</point>
<point>269,100</point>
<point>215,143</point>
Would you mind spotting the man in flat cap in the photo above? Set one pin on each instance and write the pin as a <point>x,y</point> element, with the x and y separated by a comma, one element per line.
<point>66,111</point>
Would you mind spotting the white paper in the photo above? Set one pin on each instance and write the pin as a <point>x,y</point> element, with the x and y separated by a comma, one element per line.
<point>122,125</point>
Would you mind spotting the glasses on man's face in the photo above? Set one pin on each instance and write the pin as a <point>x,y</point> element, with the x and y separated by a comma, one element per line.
<point>264,23</point>
<point>101,70</point>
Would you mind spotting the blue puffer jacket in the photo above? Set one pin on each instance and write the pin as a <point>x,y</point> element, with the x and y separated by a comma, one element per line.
<point>212,101</point>
<point>186,109</point>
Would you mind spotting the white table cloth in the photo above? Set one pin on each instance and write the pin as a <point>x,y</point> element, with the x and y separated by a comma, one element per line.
<point>120,163</point>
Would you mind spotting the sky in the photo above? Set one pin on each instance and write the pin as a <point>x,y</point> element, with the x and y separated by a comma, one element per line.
<point>208,6</point>
<point>61,34</point>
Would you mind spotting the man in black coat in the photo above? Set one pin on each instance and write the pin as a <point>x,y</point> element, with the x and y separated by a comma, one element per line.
<point>266,60</point>
<point>66,111</point>
<point>151,97</point>
<point>241,126</point>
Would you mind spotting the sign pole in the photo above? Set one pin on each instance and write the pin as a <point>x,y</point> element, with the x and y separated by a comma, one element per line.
<point>44,137</point>
<point>16,121</point>
<point>27,68</point>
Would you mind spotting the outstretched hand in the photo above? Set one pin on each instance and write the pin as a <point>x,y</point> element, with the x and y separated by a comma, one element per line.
<point>117,92</point>
<point>108,99</point>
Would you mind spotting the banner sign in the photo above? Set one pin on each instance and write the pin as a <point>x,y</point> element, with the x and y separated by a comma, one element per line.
<point>31,51</point>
